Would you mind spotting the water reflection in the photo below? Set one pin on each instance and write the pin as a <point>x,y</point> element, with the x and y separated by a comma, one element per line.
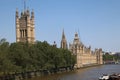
<point>91,73</point>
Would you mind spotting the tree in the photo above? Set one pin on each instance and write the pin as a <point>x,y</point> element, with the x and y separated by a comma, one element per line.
<point>19,57</point>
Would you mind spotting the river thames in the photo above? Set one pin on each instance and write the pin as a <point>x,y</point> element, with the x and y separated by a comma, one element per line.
<point>90,73</point>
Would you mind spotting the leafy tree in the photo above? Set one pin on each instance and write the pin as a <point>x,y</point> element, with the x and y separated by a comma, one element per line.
<point>19,57</point>
<point>107,57</point>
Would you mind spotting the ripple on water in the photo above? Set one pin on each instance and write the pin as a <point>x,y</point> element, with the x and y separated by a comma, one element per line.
<point>91,73</point>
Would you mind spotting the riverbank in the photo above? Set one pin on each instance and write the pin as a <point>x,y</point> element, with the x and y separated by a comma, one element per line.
<point>32,74</point>
<point>38,73</point>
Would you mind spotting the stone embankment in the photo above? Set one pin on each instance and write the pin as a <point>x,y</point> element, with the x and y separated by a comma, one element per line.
<point>31,74</point>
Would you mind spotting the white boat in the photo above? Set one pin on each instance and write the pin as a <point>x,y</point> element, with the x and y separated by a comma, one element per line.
<point>110,77</point>
<point>104,77</point>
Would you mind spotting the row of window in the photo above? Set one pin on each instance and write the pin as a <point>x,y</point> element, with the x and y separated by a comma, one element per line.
<point>23,33</point>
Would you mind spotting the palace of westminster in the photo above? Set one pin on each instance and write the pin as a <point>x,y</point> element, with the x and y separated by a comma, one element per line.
<point>84,55</point>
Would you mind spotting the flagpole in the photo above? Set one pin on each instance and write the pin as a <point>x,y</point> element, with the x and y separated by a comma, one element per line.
<point>24,5</point>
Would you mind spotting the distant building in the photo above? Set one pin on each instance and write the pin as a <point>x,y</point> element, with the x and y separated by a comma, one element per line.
<point>25,27</point>
<point>84,55</point>
<point>117,53</point>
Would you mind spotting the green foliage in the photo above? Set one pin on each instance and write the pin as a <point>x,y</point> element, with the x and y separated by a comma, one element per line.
<point>19,57</point>
<point>108,57</point>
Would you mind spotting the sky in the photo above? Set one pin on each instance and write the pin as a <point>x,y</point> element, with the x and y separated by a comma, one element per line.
<point>96,21</point>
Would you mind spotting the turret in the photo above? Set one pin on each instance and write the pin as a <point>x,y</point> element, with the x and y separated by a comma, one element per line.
<point>32,18</point>
<point>17,13</point>
<point>28,13</point>
<point>76,39</point>
<point>101,56</point>
<point>17,17</point>
<point>22,13</point>
<point>32,14</point>
<point>17,26</point>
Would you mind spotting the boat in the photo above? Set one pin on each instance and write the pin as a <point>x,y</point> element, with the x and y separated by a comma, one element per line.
<point>104,77</point>
<point>110,77</point>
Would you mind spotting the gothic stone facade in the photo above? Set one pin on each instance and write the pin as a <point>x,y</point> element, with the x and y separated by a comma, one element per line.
<point>25,27</point>
<point>85,56</point>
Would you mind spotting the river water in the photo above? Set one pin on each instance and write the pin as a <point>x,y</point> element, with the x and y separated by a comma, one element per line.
<point>91,73</point>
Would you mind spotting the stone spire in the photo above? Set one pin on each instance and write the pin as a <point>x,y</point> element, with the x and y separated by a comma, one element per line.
<point>63,41</point>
